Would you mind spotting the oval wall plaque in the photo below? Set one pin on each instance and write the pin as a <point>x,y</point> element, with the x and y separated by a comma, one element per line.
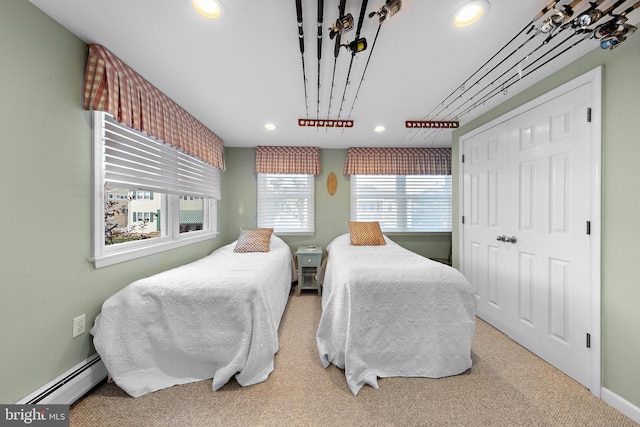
<point>332,183</point>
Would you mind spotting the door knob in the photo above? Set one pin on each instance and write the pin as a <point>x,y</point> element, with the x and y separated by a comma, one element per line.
<point>512,239</point>
<point>502,238</point>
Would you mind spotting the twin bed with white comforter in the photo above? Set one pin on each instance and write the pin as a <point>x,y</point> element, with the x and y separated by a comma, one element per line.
<point>388,312</point>
<point>217,318</point>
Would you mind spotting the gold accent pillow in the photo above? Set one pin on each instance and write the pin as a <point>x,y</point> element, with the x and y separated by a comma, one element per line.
<point>254,240</point>
<point>366,233</point>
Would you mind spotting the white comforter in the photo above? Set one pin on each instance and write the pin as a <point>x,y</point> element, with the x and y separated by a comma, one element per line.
<point>389,312</point>
<point>214,318</point>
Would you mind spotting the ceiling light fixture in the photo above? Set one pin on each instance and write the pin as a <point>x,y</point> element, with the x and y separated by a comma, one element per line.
<point>470,12</point>
<point>379,129</point>
<point>270,126</point>
<point>210,9</point>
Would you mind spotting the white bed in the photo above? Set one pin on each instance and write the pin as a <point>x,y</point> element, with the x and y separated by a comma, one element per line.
<point>389,312</point>
<point>217,318</point>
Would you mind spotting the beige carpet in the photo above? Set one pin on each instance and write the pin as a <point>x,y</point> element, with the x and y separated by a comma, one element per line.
<point>507,386</point>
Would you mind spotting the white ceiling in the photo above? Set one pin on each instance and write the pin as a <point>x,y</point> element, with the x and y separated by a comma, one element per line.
<point>236,74</point>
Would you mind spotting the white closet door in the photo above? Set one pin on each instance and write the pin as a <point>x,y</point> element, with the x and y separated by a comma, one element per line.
<point>527,181</point>
<point>486,178</point>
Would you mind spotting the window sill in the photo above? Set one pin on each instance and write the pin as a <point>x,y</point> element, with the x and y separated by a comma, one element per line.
<point>133,253</point>
<point>295,233</point>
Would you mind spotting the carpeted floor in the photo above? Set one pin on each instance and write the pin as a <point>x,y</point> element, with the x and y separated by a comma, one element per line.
<point>507,386</point>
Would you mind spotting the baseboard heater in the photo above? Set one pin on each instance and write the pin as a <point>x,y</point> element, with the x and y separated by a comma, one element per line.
<point>71,385</point>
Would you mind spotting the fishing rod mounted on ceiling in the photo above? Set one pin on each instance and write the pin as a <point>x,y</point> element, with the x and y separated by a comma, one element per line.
<point>607,26</point>
<point>356,46</point>
<point>359,44</point>
<point>579,25</point>
<point>390,8</point>
<point>344,23</point>
<point>319,52</point>
<point>301,43</point>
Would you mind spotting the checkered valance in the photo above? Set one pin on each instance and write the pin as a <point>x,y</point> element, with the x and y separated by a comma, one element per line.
<point>303,160</point>
<point>112,86</point>
<point>398,161</point>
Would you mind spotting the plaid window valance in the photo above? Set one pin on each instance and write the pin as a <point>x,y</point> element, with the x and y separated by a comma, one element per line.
<point>398,161</point>
<point>291,160</point>
<point>112,86</point>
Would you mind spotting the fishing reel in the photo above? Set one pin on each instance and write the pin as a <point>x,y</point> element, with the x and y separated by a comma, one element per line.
<point>558,19</point>
<point>343,25</point>
<point>553,22</point>
<point>356,46</point>
<point>585,20</point>
<point>390,8</point>
<point>614,27</point>
<point>614,32</point>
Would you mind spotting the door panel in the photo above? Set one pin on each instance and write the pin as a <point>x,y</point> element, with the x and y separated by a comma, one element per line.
<point>493,282</point>
<point>559,177</point>
<point>559,300</point>
<point>526,287</point>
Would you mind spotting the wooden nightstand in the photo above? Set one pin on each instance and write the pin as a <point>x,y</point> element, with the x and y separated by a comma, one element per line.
<point>309,261</point>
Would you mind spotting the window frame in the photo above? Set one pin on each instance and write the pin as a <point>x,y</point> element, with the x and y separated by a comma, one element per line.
<point>403,208</point>
<point>311,227</point>
<point>105,255</point>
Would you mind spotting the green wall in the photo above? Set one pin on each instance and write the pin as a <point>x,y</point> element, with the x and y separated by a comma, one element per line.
<point>45,170</point>
<point>331,212</point>
<point>620,198</point>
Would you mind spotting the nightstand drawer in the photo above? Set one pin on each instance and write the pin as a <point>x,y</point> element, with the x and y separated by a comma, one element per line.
<point>309,260</point>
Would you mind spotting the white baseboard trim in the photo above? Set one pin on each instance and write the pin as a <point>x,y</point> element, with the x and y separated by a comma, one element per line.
<point>622,405</point>
<point>71,385</point>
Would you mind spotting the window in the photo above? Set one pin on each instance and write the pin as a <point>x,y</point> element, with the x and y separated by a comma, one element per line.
<point>191,213</point>
<point>403,203</point>
<point>286,202</point>
<point>148,196</point>
<point>144,195</point>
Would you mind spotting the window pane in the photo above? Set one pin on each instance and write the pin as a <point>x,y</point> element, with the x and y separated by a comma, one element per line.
<point>191,213</point>
<point>129,218</point>
<point>403,203</point>
<point>285,202</point>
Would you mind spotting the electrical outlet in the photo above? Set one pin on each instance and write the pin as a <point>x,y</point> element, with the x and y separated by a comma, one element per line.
<point>78,325</point>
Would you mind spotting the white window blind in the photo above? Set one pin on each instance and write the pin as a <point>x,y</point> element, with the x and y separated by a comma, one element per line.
<point>141,186</point>
<point>135,161</point>
<point>286,202</point>
<point>403,203</point>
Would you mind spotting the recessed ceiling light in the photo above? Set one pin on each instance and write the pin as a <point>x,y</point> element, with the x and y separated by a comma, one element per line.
<point>211,9</point>
<point>270,126</point>
<point>470,12</point>
<point>379,129</point>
